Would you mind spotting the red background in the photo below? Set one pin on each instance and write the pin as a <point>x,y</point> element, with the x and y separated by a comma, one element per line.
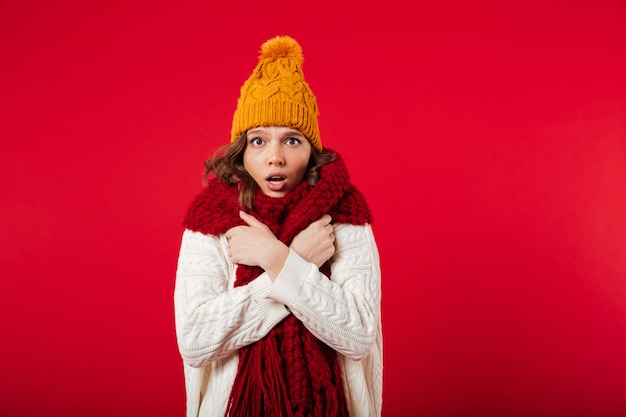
<point>489,138</point>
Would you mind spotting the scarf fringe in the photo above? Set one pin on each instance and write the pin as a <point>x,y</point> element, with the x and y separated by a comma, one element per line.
<point>260,387</point>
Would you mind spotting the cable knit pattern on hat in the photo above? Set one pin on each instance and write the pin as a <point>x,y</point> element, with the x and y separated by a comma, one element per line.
<point>276,93</point>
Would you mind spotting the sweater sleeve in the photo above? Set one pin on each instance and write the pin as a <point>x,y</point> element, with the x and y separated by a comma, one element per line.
<point>343,312</point>
<point>214,319</point>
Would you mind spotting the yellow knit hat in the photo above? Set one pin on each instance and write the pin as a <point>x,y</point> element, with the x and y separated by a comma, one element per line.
<point>276,93</point>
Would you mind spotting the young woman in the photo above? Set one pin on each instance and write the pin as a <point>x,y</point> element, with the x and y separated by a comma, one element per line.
<point>277,296</point>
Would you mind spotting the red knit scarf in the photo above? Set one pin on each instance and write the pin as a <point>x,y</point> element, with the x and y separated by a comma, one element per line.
<point>289,372</point>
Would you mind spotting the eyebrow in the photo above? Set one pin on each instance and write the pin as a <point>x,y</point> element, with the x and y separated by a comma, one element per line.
<point>295,132</point>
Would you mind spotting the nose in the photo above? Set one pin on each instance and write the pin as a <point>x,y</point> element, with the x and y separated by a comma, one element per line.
<point>276,159</point>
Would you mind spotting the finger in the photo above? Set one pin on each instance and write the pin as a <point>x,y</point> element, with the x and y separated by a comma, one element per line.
<point>230,232</point>
<point>325,219</point>
<point>249,219</point>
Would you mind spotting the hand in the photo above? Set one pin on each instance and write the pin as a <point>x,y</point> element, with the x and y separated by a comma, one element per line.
<point>316,243</point>
<point>256,245</point>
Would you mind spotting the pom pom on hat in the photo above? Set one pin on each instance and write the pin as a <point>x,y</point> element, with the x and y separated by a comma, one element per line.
<point>282,47</point>
<point>276,93</point>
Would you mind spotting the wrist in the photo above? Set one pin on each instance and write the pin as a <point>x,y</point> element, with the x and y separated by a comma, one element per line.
<point>277,256</point>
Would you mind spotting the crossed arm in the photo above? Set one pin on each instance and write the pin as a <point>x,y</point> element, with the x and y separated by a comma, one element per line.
<point>214,319</point>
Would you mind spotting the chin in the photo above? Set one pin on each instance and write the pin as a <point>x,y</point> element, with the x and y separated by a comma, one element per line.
<point>275,194</point>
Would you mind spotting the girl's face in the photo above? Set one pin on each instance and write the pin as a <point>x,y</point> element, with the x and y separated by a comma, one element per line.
<point>276,157</point>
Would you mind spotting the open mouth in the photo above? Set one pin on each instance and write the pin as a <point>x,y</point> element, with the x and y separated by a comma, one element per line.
<point>276,182</point>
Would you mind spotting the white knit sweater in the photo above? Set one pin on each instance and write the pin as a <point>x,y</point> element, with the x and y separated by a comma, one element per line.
<point>214,319</point>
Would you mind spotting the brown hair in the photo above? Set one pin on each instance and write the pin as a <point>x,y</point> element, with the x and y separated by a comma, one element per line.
<point>227,165</point>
